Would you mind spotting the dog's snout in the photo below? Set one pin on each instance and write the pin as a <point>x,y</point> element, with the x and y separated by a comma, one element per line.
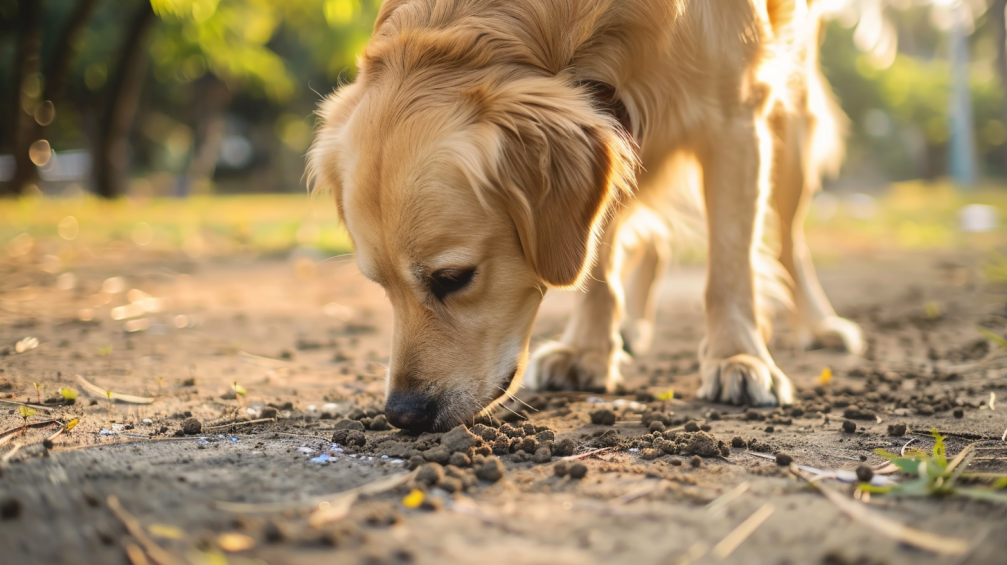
<point>410,411</point>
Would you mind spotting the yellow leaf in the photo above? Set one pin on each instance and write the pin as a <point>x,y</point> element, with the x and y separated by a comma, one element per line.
<point>72,424</point>
<point>105,351</point>
<point>413,499</point>
<point>826,376</point>
<point>68,393</point>
<point>165,531</point>
<point>666,395</point>
<point>232,541</point>
<point>238,389</point>
<point>932,310</point>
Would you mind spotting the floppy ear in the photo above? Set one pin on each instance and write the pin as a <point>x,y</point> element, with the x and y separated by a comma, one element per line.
<point>323,171</point>
<point>565,165</point>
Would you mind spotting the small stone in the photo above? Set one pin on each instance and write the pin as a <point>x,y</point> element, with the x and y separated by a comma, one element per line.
<point>897,430</point>
<point>191,426</point>
<point>430,474</point>
<point>10,509</point>
<point>864,473</point>
<point>458,439</point>
<point>459,459</point>
<point>849,426</point>
<point>784,459</point>
<point>578,471</point>
<point>492,470</point>
<point>959,413</point>
<point>603,417</point>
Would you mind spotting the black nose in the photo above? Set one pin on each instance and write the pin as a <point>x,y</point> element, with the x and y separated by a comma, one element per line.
<point>410,411</point>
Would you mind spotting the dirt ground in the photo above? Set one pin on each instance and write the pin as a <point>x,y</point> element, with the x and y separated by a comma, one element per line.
<point>306,342</point>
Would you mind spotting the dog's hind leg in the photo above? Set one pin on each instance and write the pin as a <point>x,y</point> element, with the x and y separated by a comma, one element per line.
<point>588,355</point>
<point>735,363</point>
<point>795,181</point>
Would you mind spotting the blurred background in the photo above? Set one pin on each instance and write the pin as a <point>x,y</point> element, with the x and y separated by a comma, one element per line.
<point>140,121</point>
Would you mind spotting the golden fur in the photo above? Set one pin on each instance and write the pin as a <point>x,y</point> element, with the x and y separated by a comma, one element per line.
<point>507,143</point>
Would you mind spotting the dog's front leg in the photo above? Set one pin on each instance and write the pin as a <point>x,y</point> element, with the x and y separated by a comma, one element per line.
<point>735,363</point>
<point>588,355</point>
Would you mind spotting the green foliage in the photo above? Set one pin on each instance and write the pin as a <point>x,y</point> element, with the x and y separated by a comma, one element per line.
<point>934,474</point>
<point>995,338</point>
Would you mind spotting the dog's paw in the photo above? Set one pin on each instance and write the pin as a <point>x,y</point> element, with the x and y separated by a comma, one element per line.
<point>557,366</point>
<point>840,334</point>
<point>745,380</point>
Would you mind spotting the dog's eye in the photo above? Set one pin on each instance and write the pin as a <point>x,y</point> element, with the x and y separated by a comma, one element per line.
<point>447,281</point>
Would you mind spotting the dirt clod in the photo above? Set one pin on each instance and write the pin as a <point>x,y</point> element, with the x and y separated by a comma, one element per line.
<point>458,439</point>
<point>191,426</point>
<point>696,461</point>
<point>459,459</point>
<point>10,509</point>
<point>603,417</point>
<point>897,430</point>
<point>491,469</point>
<point>578,471</point>
<point>784,459</point>
<point>439,454</point>
<point>854,413</point>
<point>348,424</point>
<point>864,473</point>
<point>268,412</point>
<point>564,448</point>
<point>542,455</point>
<point>702,444</point>
<point>738,443</point>
<point>959,413</point>
<point>430,474</point>
<point>380,423</point>
<point>656,426</point>
<point>692,426</point>
<point>561,468</point>
<point>849,426</point>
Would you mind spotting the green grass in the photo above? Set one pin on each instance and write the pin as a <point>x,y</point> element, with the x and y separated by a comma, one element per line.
<point>200,225</point>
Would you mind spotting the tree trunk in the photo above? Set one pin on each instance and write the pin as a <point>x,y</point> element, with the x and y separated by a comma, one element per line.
<point>55,83</point>
<point>111,156</point>
<point>25,94</point>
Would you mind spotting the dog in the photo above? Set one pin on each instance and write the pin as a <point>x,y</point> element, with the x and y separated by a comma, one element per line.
<point>489,150</point>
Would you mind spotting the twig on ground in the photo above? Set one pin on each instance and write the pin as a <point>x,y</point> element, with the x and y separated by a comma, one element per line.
<point>935,543</point>
<point>7,456</point>
<point>722,501</point>
<point>586,455</point>
<point>734,539</point>
<point>376,487</point>
<point>117,396</point>
<point>7,435</point>
<point>28,404</point>
<point>237,423</point>
<point>636,494</point>
<point>157,554</point>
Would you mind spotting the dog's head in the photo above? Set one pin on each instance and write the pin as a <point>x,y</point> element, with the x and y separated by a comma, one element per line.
<point>467,191</point>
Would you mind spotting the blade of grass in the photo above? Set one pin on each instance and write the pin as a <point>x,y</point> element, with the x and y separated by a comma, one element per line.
<point>119,397</point>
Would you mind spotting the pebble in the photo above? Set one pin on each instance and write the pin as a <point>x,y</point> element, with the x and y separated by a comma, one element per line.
<point>784,459</point>
<point>849,426</point>
<point>865,473</point>
<point>491,470</point>
<point>578,471</point>
<point>191,426</point>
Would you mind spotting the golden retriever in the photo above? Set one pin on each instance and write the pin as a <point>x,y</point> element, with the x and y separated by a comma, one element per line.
<point>491,149</point>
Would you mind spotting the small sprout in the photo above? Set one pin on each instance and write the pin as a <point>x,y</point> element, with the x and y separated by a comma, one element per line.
<point>995,338</point>
<point>666,395</point>
<point>160,383</point>
<point>26,413</point>
<point>826,376</point>
<point>38,391</point>
<point>68,394</point>
<point>108,394</point>
<point>105,350</point>
<point>414,499</point>
<point>72,424</point>
<point>239,392</point>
